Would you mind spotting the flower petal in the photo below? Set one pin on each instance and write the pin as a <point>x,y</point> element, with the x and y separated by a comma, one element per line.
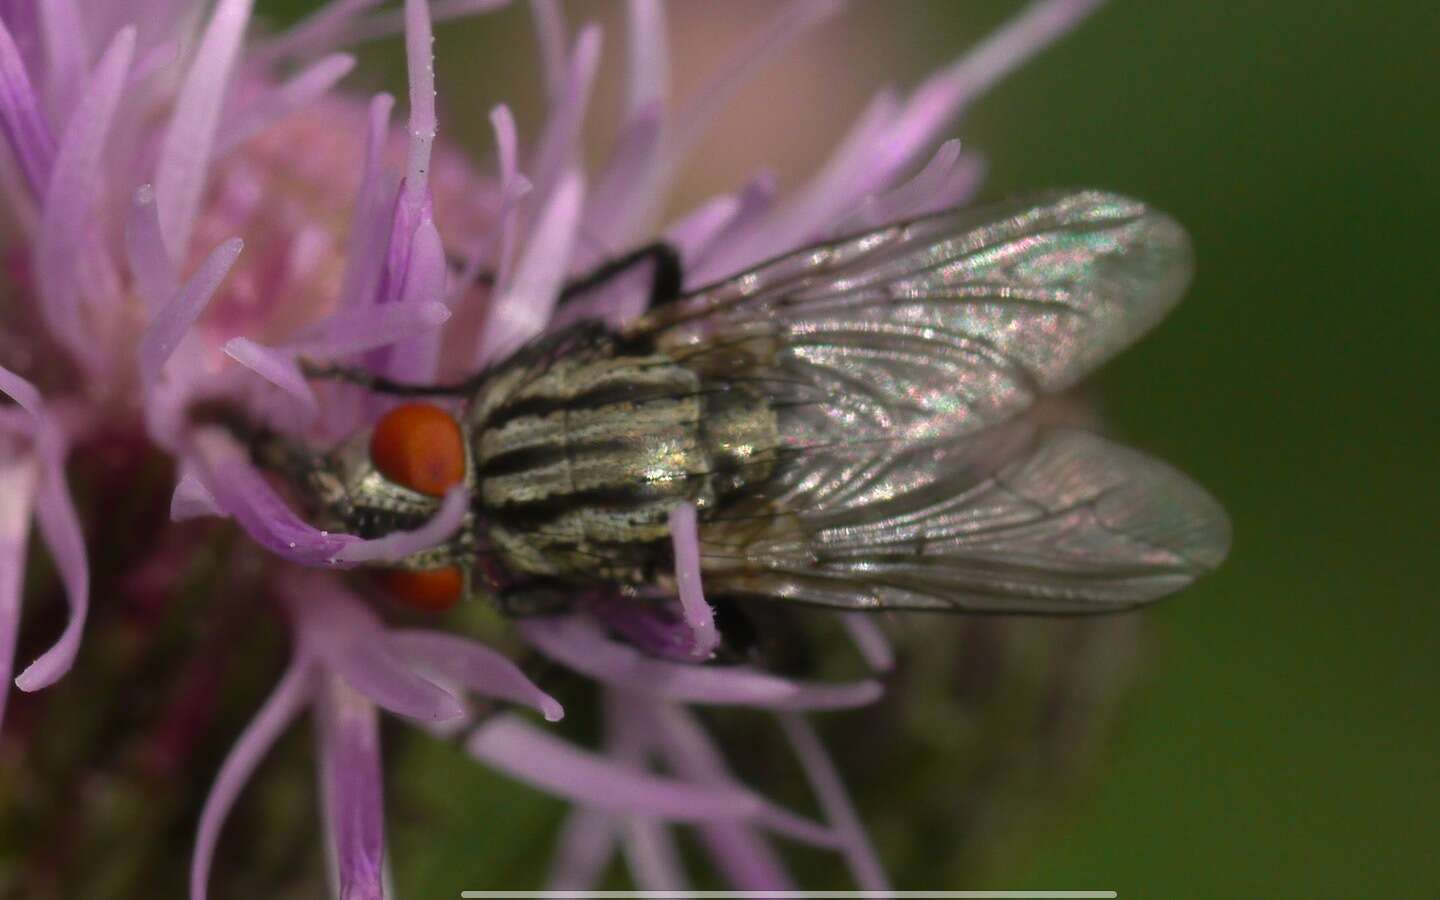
<point>354,330</point>
<point>351,780</point>
<point>353,643</point>
<point>150,263</point>
<point>66,223</point>
<point>652,855</point>
<point>944,95</point>
<point>835,800</point>
<point>66,47</point>
<point>21,119</point>
<point>870,640</point>
<point>243,493</point>
<point>397,545</point>
<point>274,716</point>
<point>577,643</point>
<point>541,759</point>
<point>690,752</point>
<point>475,667</point>
<point>521,310</point>
<point>720,256</point>
<point>685,538</point>
<point>276,367</point>
<point>60,527</point>
<point>18,479</point>
<point>303,89</point>
<point>370,223</point>
<point>188,145</point>
<point>559,146</point>
<point>192,500</point>
<point>587,841</point>
<point>175,318</point>
<point>420,59</point>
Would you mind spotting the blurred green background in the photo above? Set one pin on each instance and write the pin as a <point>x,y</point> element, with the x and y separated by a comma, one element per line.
<point>1283,733</point>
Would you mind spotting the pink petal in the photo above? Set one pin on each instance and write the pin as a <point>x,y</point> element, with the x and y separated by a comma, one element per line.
<point>698,230</point>
<point>176,317</point>
<point>66,47</point>
<point>155,277</point>
<point>277,367</point>
<point>192,500</point>
<point>560,147</point>
<point>370,224</point>
<point>835,800</point>
<point>550,35</point>
<point>352,642</point>
<point>243,493</point>
<point>831,192</point>
<point>522,309</point>
<point>188,145</point>
<point>499,247</point>
<point>587,841</point>
<point>944,95</point>
<point>577,643</point>
<point>351,780</point>
<point>303,89</point>
<point>475,667</point>
<point>649,72</point>
<point>66,224</point>
<point>420,58</point>
<point>60,527</point>
<point>21,119</point>
<point>740,852</point>
<point>397,545</point>
<point>625,194</point>
<point>720,256</point>
<point>315,30</point>
<point>360,29</point>
<point>18,479</point>
<point>689,751</point>
<point>538,758</point>
<point>427,270</point>
<point>652,855</point>
<point>948,180</point>
<point>354,330</point>
<point>870,640</point>
<point>275,715</point>
<point>685,537</point>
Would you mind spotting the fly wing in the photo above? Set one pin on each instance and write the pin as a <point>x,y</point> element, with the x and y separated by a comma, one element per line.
<point>899,364</point>
<point>940,326</point>
<point>1016,520</point>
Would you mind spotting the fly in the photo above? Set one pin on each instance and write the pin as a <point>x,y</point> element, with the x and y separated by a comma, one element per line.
<point>848,420</point>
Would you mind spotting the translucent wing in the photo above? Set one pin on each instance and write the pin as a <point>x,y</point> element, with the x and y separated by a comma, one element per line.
<point>940,326</point>
<point>1017,521</point>
<point>898,363</point>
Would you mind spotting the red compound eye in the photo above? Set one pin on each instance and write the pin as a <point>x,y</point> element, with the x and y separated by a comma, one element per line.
<point>420,447</point>
<point>428,590</point>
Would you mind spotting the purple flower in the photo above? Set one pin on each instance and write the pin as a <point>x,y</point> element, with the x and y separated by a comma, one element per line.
<point>190,223</point>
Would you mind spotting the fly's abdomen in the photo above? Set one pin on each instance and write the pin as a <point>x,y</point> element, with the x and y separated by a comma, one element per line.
<point>578,470</point>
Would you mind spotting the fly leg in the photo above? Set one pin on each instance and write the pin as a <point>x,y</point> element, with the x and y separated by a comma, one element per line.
<point>665,280</point>
<point>382,385</point>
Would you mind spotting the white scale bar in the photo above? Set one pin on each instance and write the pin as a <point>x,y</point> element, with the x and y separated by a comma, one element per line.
<point>788,895</point>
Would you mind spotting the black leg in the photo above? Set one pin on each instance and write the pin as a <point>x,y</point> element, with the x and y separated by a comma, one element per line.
<point>382,385</point>
<point>665,280</point>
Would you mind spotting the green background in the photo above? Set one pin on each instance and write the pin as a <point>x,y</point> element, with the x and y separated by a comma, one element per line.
<point>1282,737</point>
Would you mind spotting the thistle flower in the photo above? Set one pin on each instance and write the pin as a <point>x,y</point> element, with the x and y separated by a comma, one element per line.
<point>194,209</point>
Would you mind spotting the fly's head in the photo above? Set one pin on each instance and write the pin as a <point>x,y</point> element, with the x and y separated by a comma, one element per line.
<point>393,478</point>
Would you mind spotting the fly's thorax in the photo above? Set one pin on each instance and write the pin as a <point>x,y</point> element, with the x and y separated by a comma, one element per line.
<point>578,469</point>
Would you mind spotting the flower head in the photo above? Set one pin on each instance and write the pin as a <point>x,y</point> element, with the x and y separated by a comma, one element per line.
<point>198,211</point>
